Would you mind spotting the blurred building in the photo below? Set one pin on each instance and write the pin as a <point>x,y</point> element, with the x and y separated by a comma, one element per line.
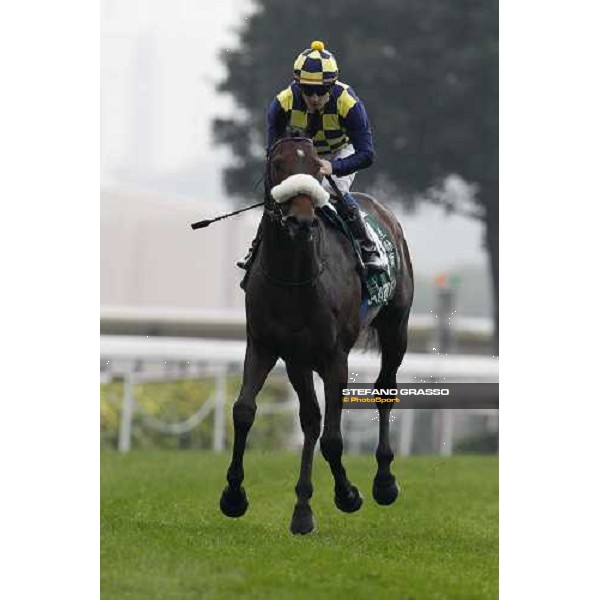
<point>150,257</point>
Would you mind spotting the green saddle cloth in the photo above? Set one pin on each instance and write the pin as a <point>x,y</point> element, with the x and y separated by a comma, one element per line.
<point>380,287</point>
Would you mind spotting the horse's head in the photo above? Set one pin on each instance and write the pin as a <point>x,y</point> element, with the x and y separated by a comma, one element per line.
<point>291,155</point>
<point>293,187</point>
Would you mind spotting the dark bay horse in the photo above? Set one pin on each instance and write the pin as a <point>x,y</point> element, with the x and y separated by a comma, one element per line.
<point>302,305</point>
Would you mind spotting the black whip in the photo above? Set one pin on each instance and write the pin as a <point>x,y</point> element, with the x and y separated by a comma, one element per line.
<point>207,222</point>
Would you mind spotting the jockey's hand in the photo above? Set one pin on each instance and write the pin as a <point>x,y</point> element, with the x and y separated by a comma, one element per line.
<point>326,168</point>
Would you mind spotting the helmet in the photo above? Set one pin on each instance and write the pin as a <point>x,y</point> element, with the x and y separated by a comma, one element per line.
<point>316,66</point>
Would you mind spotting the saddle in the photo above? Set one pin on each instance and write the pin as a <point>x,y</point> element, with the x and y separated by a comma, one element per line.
<point>377,288</point>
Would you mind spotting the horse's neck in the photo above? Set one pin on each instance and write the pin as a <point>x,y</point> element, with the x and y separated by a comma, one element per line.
<point>289,261</point>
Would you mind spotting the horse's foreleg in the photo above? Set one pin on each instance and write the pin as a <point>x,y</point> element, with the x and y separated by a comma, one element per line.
<point>257,366</point>
<point>310,421</point>
<point>347,496</point>
<point>393,341</point>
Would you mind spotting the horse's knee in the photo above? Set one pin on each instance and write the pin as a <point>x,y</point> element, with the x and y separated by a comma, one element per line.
<point>310,421</point>
<point>312,431</point>
<point>332,447</point>
<point>243,415</point>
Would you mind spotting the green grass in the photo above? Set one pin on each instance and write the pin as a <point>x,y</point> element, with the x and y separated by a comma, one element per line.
<point>163,536</point>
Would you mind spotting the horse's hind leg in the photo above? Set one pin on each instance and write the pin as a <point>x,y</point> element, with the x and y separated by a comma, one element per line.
<point>347,496</point>
<point>393,335</point>
<point>257,366</point>
<point>310,421</point>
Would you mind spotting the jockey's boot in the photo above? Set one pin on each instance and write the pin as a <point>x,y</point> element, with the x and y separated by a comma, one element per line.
<point>370,256</point>
<point>246,262</point>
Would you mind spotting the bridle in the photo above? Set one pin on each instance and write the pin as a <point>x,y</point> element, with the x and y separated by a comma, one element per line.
<point>272,208</point>
<point>275,213</point>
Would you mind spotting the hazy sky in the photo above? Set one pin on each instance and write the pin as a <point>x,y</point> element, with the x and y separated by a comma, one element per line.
<point>159,67</point>
<point>160,61</point>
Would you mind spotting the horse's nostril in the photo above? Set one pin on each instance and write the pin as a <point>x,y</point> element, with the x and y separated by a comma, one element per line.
<point>299,224</point>
<point>303,220</point>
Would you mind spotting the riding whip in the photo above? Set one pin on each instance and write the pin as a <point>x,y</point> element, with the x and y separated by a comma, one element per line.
<point>207,222</point>
<point>335,188</point>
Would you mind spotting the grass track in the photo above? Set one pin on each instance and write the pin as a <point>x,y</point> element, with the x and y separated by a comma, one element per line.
<point>163,536</point>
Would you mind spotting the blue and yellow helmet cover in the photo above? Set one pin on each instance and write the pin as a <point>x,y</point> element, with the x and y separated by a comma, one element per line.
<point>316,66</point>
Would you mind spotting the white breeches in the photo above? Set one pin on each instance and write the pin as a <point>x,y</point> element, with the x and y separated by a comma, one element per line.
<point>345,181</point>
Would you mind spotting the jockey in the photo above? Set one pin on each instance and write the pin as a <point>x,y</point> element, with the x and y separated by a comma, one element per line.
<point>331,114</point>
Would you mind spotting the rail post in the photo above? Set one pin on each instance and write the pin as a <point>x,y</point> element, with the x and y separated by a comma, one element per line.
<point>127,410</point>
<point>406,431</point>
<point>220,401</point>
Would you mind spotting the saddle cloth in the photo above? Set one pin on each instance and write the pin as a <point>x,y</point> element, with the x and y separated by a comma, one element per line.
<point>377,288</point>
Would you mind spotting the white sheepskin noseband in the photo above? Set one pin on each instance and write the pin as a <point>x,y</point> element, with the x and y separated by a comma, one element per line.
<point>300,184</point>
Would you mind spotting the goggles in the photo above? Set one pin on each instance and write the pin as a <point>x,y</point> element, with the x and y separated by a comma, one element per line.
<point>319,90</point>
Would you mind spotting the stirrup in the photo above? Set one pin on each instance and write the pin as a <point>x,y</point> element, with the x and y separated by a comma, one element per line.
<point>245,262</point>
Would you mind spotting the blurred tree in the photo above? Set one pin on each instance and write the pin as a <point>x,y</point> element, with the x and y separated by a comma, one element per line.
<point>427,71</point>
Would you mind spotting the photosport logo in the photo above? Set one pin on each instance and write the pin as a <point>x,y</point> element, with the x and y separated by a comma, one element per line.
<point>421,395</point>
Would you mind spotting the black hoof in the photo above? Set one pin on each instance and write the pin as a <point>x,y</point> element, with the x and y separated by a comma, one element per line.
<point>233,504</point>
<point>303,521</point>
<point>349,502</point>
<point>385,493</point>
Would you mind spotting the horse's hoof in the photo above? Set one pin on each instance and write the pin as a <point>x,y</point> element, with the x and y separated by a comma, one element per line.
<point>350,502</point>
<point>233,504</point>
<point>385,493</point>
<point>303,522</point>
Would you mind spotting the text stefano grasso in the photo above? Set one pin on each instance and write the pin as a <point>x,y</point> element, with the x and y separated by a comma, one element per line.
<point>397,392</point>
